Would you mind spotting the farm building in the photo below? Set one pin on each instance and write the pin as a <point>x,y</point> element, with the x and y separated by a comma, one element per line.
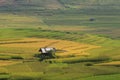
<point>47,50</point>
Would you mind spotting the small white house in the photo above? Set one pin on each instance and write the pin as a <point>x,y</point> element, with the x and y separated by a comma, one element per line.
<point>47,50</point>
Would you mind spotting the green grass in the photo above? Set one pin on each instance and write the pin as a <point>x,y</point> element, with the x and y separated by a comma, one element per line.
<point>56,71</point>
<point>103,77</point>
<point>27,76</point>
<point>101,26</point>
<point>4,77</point>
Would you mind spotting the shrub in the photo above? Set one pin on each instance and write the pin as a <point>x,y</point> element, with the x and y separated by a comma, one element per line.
<point>49,55</point>
<point>16,57</point>
<point>89,64</point>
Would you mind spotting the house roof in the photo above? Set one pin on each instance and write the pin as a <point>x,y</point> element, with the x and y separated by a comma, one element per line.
<point>46,50</point>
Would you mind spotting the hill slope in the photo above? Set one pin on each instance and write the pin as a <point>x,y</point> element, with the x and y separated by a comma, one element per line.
<point>56,4</point>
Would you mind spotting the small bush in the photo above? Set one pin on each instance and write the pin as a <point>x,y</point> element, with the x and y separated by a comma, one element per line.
<point>37,55</point>
<point>89,64</point>
<point>16,57</point>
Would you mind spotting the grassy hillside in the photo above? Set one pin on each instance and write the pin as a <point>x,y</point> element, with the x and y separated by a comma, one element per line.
<point>55,4</point>
<point>91,3</point>
<point>85,33</point>
<point>52,13</point>
<point>41,6</point>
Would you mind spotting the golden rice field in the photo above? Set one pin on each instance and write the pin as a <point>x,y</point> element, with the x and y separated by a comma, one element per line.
<point>6,63</point>
<point>27,47</point>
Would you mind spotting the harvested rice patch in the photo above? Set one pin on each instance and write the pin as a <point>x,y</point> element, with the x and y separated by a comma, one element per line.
<point>6,63</point>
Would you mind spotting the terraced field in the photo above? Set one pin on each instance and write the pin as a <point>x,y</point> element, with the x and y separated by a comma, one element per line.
<point>18,21</point>
<point>30,46</point>
<point>85,33</point>
<point>6,63</point>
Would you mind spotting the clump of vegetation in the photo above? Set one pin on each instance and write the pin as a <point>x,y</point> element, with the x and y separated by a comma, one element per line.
<point>89,64</point>
<point>49,55</point>
<point>17,57</point>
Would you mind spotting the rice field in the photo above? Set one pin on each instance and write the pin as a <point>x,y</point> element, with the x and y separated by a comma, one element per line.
<point>7,63</point>
<point>14,20</point>
<point>27,47</point>
<point>86,50</point>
